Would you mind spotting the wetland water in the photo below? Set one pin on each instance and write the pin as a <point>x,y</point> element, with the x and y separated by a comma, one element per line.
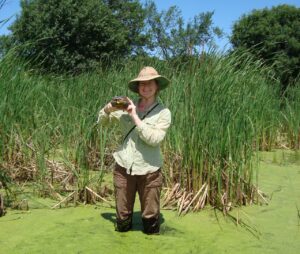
<point>273,228</point>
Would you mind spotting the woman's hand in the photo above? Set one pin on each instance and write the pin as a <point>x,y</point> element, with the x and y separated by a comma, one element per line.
<point>131,109</point>
<point>109,108</point>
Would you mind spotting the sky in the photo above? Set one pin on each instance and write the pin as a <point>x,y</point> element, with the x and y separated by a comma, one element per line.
<point>226,12</point>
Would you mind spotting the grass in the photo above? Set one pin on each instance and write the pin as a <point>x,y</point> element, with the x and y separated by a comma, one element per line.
<point>225,108</point>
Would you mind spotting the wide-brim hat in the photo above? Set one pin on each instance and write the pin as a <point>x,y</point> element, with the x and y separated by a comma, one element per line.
<point>148,73</point>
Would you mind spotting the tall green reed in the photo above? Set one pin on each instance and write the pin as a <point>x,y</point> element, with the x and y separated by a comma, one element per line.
<point>291,116</point>
<point>224,108</point>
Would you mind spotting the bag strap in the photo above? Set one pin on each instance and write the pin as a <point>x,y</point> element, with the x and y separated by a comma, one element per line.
<point>141,119</point>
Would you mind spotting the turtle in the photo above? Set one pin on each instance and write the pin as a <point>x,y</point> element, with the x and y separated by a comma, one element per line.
<point>120,102</point>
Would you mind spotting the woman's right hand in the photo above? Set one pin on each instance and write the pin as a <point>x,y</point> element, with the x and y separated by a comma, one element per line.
<point>109,108</point>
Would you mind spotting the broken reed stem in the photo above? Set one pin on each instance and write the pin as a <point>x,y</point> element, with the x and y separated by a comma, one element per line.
<point>56,194</point>
<point>168,196</point>
<point>185,201</point>
<point>194,198</point>
<point>64,200</point>
<point>98,196</point>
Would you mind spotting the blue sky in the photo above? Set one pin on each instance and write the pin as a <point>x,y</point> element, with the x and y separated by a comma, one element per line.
<point>226,12</point>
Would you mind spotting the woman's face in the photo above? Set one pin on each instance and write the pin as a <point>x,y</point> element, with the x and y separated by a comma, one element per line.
<point>147,89</point>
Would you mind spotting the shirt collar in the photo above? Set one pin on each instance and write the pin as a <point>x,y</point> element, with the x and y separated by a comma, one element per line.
<point>150,108</point>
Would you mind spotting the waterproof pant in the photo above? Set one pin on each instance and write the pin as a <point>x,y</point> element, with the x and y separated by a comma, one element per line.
<point>148,187</point>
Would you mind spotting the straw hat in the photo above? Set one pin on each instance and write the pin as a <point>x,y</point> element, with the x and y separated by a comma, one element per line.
<point>148,73</point>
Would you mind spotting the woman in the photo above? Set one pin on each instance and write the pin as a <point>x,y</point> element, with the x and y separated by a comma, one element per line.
<point>138,160</point>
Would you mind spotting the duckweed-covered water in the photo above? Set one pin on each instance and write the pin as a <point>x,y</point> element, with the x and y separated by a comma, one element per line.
<point>273,228</point>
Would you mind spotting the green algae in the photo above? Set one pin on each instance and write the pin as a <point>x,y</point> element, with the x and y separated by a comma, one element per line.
<point>272,228</point>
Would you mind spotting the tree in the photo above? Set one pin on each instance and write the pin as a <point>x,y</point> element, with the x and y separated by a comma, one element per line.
<point>75,35</point>
<point>173,38</point>
<point>272,35</point>
<point>132,15</point>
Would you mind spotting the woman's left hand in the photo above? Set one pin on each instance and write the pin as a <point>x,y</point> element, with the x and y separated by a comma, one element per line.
<point>131,109</point>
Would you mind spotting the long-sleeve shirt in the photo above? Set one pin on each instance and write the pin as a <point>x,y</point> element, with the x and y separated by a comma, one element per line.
<point>140,152</point>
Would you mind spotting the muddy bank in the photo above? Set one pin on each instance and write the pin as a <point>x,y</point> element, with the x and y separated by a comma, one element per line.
<point>273,228</point>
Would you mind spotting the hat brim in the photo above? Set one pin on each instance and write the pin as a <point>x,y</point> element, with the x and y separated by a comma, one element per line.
<point>162,81</point>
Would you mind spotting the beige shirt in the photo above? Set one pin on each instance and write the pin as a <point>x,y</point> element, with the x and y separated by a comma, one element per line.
<point>140,152</point>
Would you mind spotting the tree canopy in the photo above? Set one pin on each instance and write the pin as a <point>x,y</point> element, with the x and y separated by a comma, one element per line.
<point>272,35</point>
<point>74,35</point>
<point>172,37</point>
<point>77,35</point>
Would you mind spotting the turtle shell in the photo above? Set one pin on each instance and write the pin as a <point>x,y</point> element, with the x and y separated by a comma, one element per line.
<point>120,102</point>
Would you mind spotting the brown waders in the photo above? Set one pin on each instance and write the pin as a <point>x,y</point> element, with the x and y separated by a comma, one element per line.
<point>148,187</point>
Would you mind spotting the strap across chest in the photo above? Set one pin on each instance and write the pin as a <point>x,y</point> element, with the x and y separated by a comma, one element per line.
<point>144,116</point>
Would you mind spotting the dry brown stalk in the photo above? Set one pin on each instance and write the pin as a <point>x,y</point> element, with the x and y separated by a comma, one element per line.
<point>166,197</point>
<point>170,195</point>
<point>64,200</point>
<point>187,200</point>
<point>179,193</point>
<point>171,204</point>
<point>181,202</point>
<point>67,178</point>
<point>184,200</point>
<point>196,207</point>
<point>194,198</point>
<point>56,194</point>
<point>98,196</point>
<point>261,194</point>
<point>201,201</point>
<point>223,201</point>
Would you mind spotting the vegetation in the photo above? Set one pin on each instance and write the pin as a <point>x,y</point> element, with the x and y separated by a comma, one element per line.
<point>291,117</point>
<point>228,110</point>
<point>206,232</point>
<point>228,107</point>
<point>273,36</point>
<point>76,35</point>
<point>171,37</point>
<point>225,107</point>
